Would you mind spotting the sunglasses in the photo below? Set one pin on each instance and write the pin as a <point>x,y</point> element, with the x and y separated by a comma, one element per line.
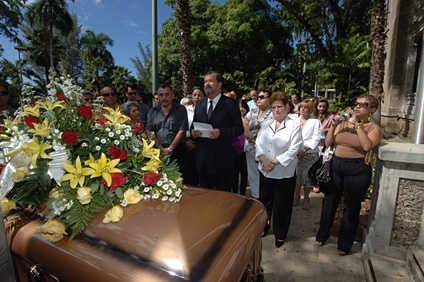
<point>109,94</point>
<point>3,93</point>
<point>196,87</point>
<point>361,104</point>
<point>132,93</point>
<point>262,97</point>
<point>89,99</point>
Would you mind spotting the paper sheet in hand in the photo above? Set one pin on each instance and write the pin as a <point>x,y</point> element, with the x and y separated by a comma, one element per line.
<point>203,127</point>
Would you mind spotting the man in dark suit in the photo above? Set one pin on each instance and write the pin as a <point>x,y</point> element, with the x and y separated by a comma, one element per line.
<point>215,156</point>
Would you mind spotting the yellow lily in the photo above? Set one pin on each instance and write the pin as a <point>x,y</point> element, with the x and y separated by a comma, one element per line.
<point>35,111</point>
<point>104,168</point>
<point>116,116</point>
<point>76,174</point>
<point>10,123</point>
<point>49,106</point>
<point>41,129</point>
<point>153,165</point>
<point>90,160</point>
<point>149,151</point>
<point>36,150</point>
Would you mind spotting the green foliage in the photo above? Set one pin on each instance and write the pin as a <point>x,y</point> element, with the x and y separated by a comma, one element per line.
<point>10,18</point>
<point>34,188</point>
<point>232,38</point>
<point>143,65</point>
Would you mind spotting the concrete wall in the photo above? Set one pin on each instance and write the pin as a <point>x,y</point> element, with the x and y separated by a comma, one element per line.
<point>396,216</point>
<point>404,33</point>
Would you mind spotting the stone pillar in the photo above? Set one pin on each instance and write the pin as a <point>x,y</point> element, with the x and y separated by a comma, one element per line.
<point>396,216</point>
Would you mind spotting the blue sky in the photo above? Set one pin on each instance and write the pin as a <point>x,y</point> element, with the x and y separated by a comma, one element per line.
<point>125,21</point>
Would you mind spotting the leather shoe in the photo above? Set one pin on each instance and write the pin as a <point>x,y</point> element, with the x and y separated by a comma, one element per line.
<point>266,230</point>
<point>278,243</point>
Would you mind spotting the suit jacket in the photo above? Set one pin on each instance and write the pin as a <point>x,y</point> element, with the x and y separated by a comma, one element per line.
<point>217,155</point>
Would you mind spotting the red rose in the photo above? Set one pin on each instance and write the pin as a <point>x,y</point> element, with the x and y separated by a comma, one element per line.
<point>62,97</point>
<point>117,180</point>
<point>1,167</point>
<point>30,120</point>
<point>102,121</point>
<point>70,137</point>
<point>85,111</point>
<point>138,128</point>
<point>151,177</point>
<point>117,153</point>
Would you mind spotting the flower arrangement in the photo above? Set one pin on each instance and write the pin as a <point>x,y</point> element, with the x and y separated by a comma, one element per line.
<point>81,166</point>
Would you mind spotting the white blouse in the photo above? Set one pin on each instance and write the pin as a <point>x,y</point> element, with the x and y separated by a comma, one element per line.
<point>311,134</point>
<point>283,144</point>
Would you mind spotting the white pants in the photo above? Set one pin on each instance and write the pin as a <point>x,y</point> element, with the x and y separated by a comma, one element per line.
<point>253,174</point>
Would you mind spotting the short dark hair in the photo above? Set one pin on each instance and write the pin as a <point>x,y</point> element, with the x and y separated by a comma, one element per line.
<point>219,77</point>
<point>131,85</point>
<point>268,92</point>
<point>4,84</point>
<point>163,86</point>
<point>243,104</point>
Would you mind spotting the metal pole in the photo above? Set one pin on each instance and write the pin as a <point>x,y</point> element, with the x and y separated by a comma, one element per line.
<point>154,47</point>
<point>418,133</point>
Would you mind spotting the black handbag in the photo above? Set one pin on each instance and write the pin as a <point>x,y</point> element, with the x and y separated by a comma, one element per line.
<point>320,173</point>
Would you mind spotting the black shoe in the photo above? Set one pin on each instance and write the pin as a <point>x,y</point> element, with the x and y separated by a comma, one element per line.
<point>267,227</point>
<point>278,243</point>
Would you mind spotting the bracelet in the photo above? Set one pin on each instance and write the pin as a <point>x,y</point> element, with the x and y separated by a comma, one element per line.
<point>359,125</point>
<point>170,151</point>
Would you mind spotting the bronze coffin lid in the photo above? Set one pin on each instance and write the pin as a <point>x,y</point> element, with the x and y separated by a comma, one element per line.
<point>208,236</point>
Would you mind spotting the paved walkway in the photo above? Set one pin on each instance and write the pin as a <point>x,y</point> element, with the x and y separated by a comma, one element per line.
<point>300,259</point>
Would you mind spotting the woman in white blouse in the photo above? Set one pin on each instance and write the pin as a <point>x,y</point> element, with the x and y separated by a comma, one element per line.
<point>277,145</point>
<point>311,135</point>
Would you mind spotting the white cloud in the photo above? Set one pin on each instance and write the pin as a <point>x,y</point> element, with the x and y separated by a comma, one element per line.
<point>97,1</point>
<point>131,23</point>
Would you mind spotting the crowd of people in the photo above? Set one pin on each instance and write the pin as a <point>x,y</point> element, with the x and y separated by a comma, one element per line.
<point>269,140</point>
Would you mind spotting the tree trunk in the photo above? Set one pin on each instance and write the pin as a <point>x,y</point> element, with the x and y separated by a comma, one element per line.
<point>182,9</point>
<point>378,37</point>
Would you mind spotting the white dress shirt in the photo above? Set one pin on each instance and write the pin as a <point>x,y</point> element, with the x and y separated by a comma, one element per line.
<point>311,134</point>
<point>283,144</point>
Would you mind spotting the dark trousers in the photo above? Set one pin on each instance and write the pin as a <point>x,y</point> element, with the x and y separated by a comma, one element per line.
<point>240,170</point>
<point>353,177</point>
<point>277,196</point>
<point>220,181</point>
<point>188,167</point>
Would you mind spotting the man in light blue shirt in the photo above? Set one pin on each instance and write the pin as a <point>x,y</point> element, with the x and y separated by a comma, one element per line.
<point>254,96</point>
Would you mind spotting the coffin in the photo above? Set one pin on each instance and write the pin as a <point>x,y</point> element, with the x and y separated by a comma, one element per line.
<point>208,236</point>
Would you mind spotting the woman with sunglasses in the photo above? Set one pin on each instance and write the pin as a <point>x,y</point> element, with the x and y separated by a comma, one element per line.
<point>353,139</point>
<point>252,123</point>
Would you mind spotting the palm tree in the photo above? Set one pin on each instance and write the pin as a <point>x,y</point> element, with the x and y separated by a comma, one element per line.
<point>51,14</point>
<point>144,75</point>
<point>96,58</point>
<point>378,37</point>
<point>182,9</point>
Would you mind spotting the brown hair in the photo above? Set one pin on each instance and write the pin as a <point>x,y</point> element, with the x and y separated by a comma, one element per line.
<point>371,98</point>
<point>308,103</point>
<point>324,115</point>
<point>279,96</point>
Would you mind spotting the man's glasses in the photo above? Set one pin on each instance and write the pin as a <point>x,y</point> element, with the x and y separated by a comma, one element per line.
<point>109,94</point>
<point>4,93</point>
<point>262,97</point>
<point>361,104</point>
<point>196,87</point>
<point>132,93</point>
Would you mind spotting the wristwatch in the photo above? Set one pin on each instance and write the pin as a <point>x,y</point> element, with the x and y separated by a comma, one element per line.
<point>170,151</point>
<point>304,150</point>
